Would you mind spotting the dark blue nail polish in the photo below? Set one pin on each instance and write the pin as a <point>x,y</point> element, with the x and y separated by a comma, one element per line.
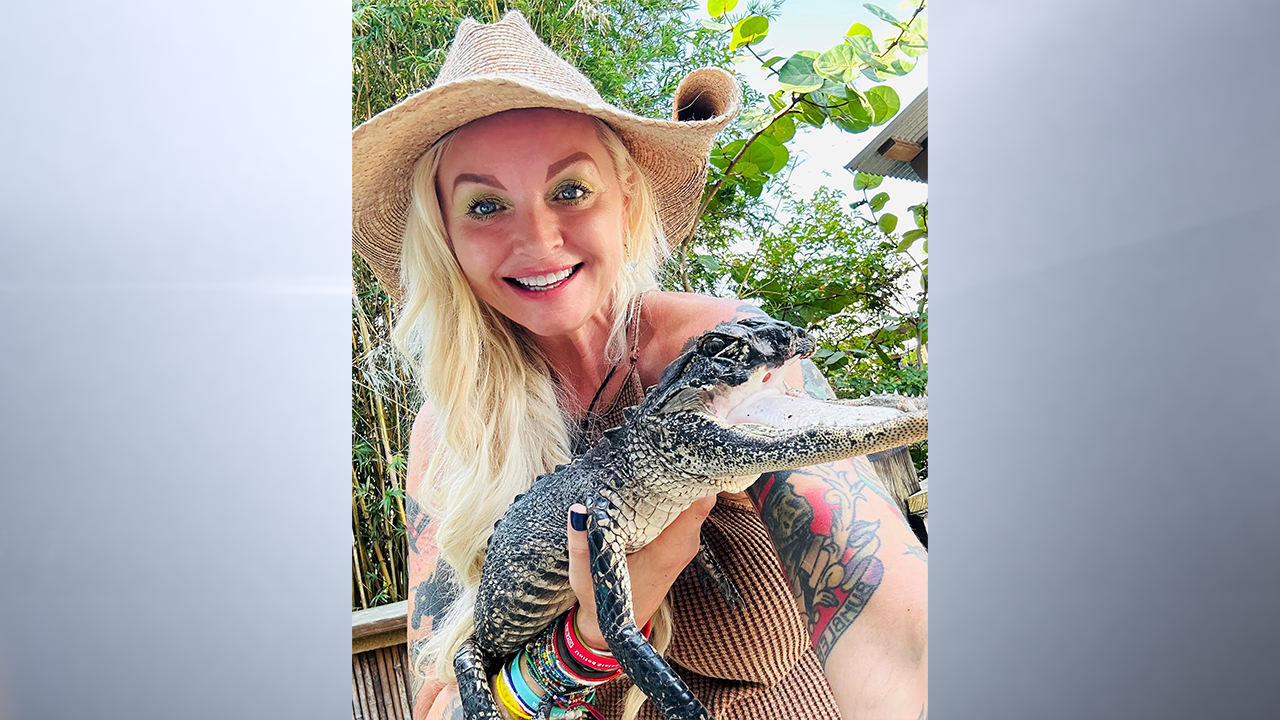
<point>578,520</point>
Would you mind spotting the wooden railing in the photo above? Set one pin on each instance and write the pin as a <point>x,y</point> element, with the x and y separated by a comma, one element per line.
<point>380,663</point>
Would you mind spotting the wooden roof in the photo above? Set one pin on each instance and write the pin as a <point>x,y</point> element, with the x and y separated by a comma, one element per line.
<point>911,125</point>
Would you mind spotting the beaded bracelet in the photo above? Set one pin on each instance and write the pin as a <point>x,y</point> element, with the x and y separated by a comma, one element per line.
<point>526,694</point>
<point>547,669</point>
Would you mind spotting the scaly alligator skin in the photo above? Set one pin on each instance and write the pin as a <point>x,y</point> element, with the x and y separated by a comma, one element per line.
<point>719,417</point>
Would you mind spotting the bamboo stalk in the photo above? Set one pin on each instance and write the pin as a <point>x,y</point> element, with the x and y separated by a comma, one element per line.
<point>377,549</point>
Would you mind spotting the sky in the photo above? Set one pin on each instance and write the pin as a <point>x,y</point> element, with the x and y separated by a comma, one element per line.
<point>819,25</point>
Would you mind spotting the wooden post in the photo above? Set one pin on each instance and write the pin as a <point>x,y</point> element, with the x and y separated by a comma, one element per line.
<point>899,475</point>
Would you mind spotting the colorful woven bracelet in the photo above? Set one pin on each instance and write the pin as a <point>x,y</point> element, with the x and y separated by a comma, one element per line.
<point>527,695</point>
<point>545,668</point>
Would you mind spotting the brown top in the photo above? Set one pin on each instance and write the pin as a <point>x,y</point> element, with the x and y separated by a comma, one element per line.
<point>749,663</point>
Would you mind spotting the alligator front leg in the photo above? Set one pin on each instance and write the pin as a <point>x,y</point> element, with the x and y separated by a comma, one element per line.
<point>639,660</point>
<point>473,684</point>
<point>713,577</point>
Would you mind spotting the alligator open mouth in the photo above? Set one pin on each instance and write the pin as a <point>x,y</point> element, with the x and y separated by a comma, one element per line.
<point>767,401</point>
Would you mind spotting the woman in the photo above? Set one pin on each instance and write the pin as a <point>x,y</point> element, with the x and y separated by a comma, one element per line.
<point>522,220</point>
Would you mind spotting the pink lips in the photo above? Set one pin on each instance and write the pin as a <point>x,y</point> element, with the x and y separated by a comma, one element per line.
<point>551,291</point>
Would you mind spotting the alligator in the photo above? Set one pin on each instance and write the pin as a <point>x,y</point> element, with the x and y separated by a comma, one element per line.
<point>719,417</point>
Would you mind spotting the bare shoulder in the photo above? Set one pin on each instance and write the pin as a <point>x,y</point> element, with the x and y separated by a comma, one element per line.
<point>421,438</point>
<point>672,318</point>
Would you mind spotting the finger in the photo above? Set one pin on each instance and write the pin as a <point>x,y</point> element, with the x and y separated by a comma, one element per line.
<point>579,555</point>
<point>580,576</point>
<point>686,529</point>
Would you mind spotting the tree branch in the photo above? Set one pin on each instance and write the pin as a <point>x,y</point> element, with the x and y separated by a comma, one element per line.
<point>757,57</point>
<point>902,34</point>
<point>706,201</point>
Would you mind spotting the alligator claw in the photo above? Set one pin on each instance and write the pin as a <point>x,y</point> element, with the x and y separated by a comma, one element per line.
<point>713,578</point>
<point>473,683</point>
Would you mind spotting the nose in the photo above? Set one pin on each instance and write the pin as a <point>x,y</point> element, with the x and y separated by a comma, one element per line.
<point>539,234</point>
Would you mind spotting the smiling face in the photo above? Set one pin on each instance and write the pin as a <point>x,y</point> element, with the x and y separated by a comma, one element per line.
<point>536,216</point>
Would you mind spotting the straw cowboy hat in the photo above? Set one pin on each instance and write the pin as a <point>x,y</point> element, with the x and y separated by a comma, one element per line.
<point>504,66</point>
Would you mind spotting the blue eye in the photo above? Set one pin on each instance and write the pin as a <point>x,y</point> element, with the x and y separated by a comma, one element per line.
<point>483,207</point>
<point>572,192</point>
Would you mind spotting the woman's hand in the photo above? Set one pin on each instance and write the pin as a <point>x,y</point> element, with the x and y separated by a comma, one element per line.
<point>653,569</point>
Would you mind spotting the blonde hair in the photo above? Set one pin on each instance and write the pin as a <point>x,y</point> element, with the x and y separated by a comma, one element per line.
<point>498,423</point>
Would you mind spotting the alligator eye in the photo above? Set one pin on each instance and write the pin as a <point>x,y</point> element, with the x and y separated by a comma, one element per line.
<point>713,345</point>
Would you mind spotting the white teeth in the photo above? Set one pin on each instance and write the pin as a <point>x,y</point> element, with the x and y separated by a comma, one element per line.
<point>540,281</point>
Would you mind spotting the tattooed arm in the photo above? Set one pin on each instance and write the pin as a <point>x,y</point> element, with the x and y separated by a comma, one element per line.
<point>431,587</point>
<point>859,576</point>
<point>853,563</point>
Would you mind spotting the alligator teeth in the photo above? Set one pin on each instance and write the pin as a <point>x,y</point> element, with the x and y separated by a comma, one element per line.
<point>541,281</point>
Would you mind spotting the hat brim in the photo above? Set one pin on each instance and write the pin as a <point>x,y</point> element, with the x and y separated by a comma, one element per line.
<point>673,154</point>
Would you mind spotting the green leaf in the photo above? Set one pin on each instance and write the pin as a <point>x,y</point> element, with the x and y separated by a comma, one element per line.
<point>877,202</point>
<point>908,239</point>
<point>840,63</point>
<point>716,8</point>
<point>761,152</point>
<point>713,25</point>
<point>834,91</point>
<point>773,61</point>
<point>901,66</point>
<point>709,263</point>
<point>920,213</point>
<point>858,29</point>
<point>784,128</point>
<point>888,222</point>
<point>797,75</point>
<point>863,43</point>
<point>834,358</point>
<point>812,114</point>
<point>872,61</point>
<point>776,101</point>
<point>860,354</point>
<point>720,161</point>
<point>854,116</point>
<point>884,103</point>
<point>863,181</point>
<point>746,168</point>
<point>913,44</point>
<point>871,74</point>
<point>780,158</point>
<point>749,29</point>
<point>926,245</point>
<point>882,14</point>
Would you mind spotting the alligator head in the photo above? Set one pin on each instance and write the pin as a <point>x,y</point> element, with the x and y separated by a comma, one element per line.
<point>723,411</point>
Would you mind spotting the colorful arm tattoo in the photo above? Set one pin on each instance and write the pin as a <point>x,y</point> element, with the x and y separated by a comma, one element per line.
<point>430,598</point>
<point>827,553</point>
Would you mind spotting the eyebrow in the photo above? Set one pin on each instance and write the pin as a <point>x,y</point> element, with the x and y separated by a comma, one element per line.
<point>559,165</point>
<point>481,179</point>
